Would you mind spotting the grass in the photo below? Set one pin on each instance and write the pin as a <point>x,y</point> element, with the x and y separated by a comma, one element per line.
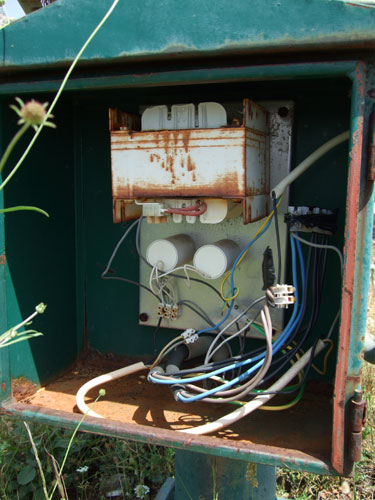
<point>96,465</point>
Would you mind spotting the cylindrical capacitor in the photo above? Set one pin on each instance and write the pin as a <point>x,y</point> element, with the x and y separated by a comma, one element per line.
<point>215,259</point>
<point>171,252</point>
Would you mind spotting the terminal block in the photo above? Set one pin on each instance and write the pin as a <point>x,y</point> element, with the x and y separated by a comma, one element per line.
<point>311,220</point>
<point>167,311</point>
<point>281,296</point>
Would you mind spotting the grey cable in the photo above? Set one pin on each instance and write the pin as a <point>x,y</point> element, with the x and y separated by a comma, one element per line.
<point>252,304</point>
<point>328,247</point>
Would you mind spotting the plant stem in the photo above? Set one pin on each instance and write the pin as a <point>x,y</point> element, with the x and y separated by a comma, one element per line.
<point>44,484</point>
<point>70,445</point>
<point>62,86</point>
<point>11,145</point>
<point>27,320</point>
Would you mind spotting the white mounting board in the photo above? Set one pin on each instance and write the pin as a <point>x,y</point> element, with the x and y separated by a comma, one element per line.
<point>248,276</point>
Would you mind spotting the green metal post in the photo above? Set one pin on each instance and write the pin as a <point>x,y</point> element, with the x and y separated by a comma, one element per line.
<point>205,477</point>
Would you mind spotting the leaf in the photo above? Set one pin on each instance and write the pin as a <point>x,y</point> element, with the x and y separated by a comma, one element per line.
<point>23,207</point>
<point>26,475</point>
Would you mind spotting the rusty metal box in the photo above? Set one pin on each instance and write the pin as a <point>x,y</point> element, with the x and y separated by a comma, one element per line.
<point>227,162</point>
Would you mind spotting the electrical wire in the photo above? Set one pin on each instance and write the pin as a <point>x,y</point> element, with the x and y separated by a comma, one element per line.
<point>317,245</point>
<point>259,400</point>
<point>237,392</point>
<point>245,311</point>
<point>113,255</point>
<point>274,202</point>
<point>279,189</point>
<point>258,360</point>
<point>339,254</point>
<point>194,210</point>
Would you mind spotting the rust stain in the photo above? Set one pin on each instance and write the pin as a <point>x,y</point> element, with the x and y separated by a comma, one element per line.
<point>3,387</point>
<point>190,164</point>
<point>171,164</point>
<point>185,137</point>
<point>352,204</point>
<point>2,259</point>
<point>226,186</point>
<point>151,158</point>
<point>371,149</point>
<point>361,6</point>
<point>273,445</point>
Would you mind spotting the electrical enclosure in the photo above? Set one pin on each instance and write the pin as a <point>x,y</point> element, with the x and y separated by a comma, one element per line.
<point>92,325</point>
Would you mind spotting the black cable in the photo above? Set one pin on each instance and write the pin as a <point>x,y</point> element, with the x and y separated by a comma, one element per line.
<point>274,202</point>
<point>137,245</point>
<point>155,334</point>
<point>126,280</point>
<point>317,283</point>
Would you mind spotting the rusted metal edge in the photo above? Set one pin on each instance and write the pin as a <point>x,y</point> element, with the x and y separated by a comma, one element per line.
<point>371,149</point>
<point>352,204</point>
<point>264,454</point>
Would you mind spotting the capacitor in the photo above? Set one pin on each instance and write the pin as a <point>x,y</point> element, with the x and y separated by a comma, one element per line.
<point>169,253</point>
<point>215,259</point>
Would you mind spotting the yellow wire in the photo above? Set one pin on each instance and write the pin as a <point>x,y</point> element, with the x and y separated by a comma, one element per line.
<point>228,299</point>
<point>324,371</point>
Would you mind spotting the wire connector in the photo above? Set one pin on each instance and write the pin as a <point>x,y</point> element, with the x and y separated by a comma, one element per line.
<point>167,311</point>
<point>281,296</point>
<point>311,220</point>
<point>189,336</point>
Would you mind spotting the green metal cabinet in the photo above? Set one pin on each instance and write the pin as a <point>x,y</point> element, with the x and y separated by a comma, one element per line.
<point>316,53</point>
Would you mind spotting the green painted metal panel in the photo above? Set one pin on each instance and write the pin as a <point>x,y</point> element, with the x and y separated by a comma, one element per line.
<point>40,250</point>
<point>201,73</point>
<point>4,352</point>
<point>152,30</point>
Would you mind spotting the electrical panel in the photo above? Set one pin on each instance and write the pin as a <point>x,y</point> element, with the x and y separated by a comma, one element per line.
<point>215,245</point>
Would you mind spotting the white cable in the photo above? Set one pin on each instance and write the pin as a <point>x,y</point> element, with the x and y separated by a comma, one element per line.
<point>186,268</point>
<point>103,379</point>
<point>318,245</point>
<point>258,401</point>
<point>307,162</point>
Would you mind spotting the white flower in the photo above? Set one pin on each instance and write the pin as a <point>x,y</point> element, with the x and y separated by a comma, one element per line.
<point>141,490</point>
<point>83,469</point>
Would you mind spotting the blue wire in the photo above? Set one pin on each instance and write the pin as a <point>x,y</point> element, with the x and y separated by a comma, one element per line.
<point>276,346</point>
<point>232,279</point>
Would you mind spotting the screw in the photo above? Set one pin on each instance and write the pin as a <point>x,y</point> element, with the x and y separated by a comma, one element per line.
<point>143,317</point>
<point>283,112</point>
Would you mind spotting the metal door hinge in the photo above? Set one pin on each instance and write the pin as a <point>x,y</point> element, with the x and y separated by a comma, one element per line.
<point>358,419</point>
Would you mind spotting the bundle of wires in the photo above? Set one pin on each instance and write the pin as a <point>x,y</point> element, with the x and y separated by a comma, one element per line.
<point>235,379</point>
